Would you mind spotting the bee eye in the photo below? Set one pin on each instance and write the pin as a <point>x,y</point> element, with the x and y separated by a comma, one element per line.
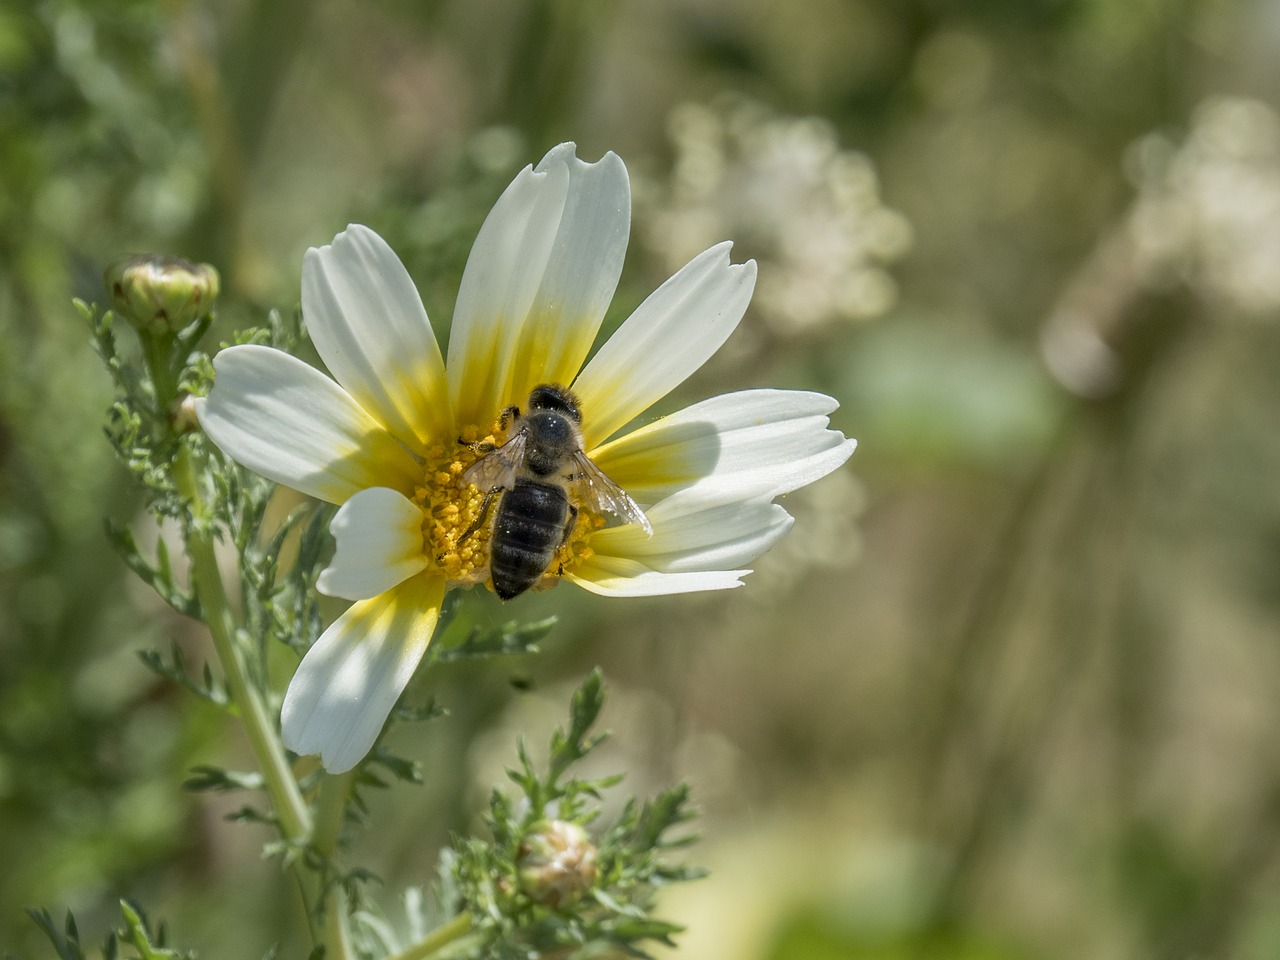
<point>551,397</point>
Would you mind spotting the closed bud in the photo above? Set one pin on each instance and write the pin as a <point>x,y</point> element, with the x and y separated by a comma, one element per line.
<point>161,294</point>
<point>556,863</point>
<point>183,418</point>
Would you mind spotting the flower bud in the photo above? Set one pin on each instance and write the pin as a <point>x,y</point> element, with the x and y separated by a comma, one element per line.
<point>556,863</point>
<point>161,294</point>
<point>183,418</point>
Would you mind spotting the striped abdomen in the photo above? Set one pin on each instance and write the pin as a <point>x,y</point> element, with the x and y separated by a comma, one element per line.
<point>529,527</point>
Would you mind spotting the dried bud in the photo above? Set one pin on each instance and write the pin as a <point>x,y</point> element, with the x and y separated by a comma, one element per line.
<point>557,863</point>
<point>161,294</point>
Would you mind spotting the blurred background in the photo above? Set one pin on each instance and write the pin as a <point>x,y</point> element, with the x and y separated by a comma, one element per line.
<point>1011,686</point>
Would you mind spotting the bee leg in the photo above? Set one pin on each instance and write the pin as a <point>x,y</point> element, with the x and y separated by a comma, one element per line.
<point>484,514</point>
<point>479,446</point>
<point>483,446</point>
<point>569,524</point>
<point>568,529</point>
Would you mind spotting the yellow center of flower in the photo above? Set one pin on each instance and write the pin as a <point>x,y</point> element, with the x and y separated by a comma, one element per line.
<point>455,534</point>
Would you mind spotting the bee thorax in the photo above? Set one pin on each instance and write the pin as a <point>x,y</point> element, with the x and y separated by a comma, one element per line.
<point>552,439</point>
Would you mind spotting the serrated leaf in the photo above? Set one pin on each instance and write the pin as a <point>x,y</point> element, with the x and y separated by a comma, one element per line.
<point>158,576</point>
<point>661,813</point>
<point>646,928</point>
<point>508,639</point>
<point>587,702</point>
<point>222,781</point>
<point>138,934</point>
<point>248,814</point>
<point>175,670</point>
<point>404,713</point>
<point>406,770</point>
<point>568,747</point>
<point>67,948</point>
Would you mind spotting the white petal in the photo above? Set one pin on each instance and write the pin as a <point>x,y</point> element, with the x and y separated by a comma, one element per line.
<point>379,535</point>
<point>346,685</point>
<point>699,530</point>
<point>538,282</point>
<point>498,285</point>
<point>699,536</point>
<point>775,438</point>
<point>616,577</point>
<point>671,334</point>
<point>290,423</point>
<point>371,330</point>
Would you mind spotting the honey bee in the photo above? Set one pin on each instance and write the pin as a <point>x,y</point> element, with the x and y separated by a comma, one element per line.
<point>544,478</point>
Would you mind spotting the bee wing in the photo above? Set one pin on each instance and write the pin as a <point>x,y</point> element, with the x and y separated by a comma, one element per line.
<point>499,468</point>
<point>599,494</point>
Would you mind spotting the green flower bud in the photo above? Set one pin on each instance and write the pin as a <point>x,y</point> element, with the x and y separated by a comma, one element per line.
<point>161,294</point>
<point>556,863</point>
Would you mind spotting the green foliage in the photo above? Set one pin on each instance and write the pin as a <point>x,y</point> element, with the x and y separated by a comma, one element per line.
<point>152,433</point>
<point>148,387</point>
<point>507,639</point>
<point>157,574</point>
<point>135,940</point>
<point>484,875</point>
<point>66,942</point>
<point>137,934</point>
<point>208,688</point>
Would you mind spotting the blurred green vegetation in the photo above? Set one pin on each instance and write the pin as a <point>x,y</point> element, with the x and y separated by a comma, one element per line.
<point>1011,692</point>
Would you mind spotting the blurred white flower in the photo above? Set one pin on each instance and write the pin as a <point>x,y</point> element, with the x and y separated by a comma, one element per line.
<point>1207,216</point>
<point>782,185</point>
<point>1208,211</point>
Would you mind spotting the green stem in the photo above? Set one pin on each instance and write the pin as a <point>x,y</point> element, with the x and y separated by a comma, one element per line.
<point>337,932</point>
<point>331,808</point>
<point>158,354</point>
<point>436,941</point>
<point>296,824</point>
<point>286,798</point>
<point>282,788</point>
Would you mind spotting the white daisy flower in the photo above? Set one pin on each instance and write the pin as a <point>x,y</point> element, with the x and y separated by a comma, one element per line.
<point>381,437</point>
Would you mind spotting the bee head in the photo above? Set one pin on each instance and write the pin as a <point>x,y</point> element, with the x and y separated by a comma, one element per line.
<point>549,396</point>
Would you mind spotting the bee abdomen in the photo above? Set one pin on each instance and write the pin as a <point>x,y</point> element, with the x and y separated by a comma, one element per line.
<point>528,529</point>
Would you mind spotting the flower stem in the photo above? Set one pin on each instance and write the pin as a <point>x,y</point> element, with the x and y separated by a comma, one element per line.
<point>337,932</point>
<point>437,940</point>
<point>331,807</point>
<point>158,354</point>
<point>282,788</point>
<point>292,812</point>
